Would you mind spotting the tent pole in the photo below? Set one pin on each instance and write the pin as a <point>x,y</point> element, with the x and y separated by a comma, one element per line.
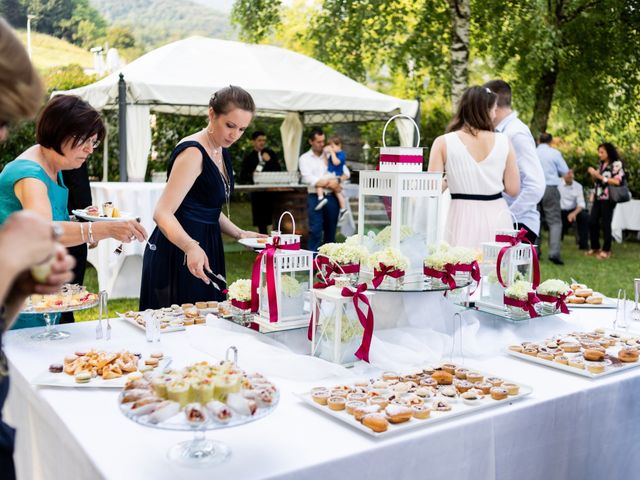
<point>122,127</point>
<point>105,154</point>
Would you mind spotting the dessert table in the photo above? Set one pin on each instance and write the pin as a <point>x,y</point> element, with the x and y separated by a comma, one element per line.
<point>626,216</point>
<point>569,427</point>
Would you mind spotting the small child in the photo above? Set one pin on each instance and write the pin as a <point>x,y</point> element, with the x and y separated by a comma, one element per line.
<point>336,160</point>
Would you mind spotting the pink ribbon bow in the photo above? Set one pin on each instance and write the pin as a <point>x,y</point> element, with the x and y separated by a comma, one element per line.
<point>357,295</point>
<point>269,251</point>
<point>385,270</point>
<point>327,267</point>
<point>559,301</point>
<point>513,241</point>
<point>527,304</point>
<point>446,275</point>
<point>240,304</point>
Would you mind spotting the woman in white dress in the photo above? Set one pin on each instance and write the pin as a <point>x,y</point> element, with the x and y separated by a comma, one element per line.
<point>479,165</point>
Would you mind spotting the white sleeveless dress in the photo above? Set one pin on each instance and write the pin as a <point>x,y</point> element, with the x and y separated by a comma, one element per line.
<point>471,222</point>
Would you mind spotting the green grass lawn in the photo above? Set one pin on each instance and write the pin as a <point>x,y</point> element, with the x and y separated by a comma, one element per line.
<point>48,51</point>
<point>605,276</point>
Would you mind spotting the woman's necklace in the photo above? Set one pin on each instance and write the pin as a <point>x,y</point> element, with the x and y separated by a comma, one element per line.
<point>222,169</point>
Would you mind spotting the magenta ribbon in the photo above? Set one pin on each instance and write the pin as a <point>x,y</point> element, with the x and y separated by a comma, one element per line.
<point>446,275</point>
<point>559,301</point>
<point>269,251</point>
<point>328,267</point>
<point>513,241</point>
<point>357,295</point>
<point>385,270</point>
<point>391,158</point>
<point>527,304</point>
<point>242,305</point>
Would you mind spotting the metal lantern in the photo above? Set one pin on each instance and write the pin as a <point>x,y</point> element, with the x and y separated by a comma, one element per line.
<point>341,323</point>
<point>400,210</point>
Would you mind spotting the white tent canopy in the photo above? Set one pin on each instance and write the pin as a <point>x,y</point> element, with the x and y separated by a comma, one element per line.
<point>181,76</point>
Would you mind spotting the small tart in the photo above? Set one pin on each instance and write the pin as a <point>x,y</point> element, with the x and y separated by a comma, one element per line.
<point>449,367</point>
<point>390,376</point>
<point>351,406</point>
<point>570,347</point>
<point>475,377</point>
<point>628,355</point>
<point>321,396</point>
<point>495,381</point>
<point>471,398</point>
<point>152,362</point>
<point>530,351</point>
<point>562,359</point>
<point>421,411</point>
<point>576,363</point>
<point>449,392</point>
<point>499,393</point>
<point>545,355</point>
<point>464,386</point>
<point>593,355</point>
<point>512,388</point>
<point>485,388</point>
<point>442,377</point>
<point>440,406</point>
<point>398,413</point>
<point>516,348</point>
<point>337,392</point>
<point>595,367</point>
<point>425,392</point>
<point>357,397</point>
<point>583,292</point>
<point>336,403</point>
<point>461,373</point>
<point>429,382</point>
<point>381,402</point>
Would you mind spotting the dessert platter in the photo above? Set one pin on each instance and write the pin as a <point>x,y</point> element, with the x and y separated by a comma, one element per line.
<point>590,354</point>
<point>176,317</point>
<point>202,396</point>
<point>396,402</point>
<point>585,297</point>
<point>97,369</point>
<point>108,213</point>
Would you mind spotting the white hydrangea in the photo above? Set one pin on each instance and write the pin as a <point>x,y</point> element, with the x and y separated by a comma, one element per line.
<point>240,290</point>
<point>391,257</point>
<point>350,329</point>
<point>519,290</point>
<point>344,253</point>
<point>442,253</point>
<point>384,237</point>
<point>290,286</point>
<point>553,287</point>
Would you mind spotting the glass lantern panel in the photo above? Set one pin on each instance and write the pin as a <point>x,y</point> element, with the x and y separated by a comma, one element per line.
<point>376,233</point>
<point>340,333</point>
<point>293,285</point>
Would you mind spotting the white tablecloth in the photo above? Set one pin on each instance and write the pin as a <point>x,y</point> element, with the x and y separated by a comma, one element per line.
<point>569,427</point>
<point>626,216</point>
<point>120,275</point>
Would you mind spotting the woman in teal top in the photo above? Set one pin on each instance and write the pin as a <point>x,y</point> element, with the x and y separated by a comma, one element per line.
<point>67,131</point>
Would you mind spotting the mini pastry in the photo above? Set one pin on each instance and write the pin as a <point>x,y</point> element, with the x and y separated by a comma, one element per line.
<point>574,299</point>
<point>516,348</point>
<point>597,367</point>
<point>475,377</point>
<point>495,381</point>
<point>410,399</point>
<point>195,414</point>
<point>152,362</point>
<point>157,355</point>
<point>70,358</point>
<point>337,392</point>
<point>593,355</point>
<point>594,300</point>
<point>576,363</point>
<point>200,320</point>
<point>464,386</point>
<point>470,398</point>
<point>186,306</point>
<point>461,373</point>
<point>379,384</point>
<point>321,396</point>
<point>187,322</point>
<point>357,397</point>
<point>531,351</point>
<point>499,393</point>
<point>145,405</point>
<point>351,406</point>
<point>361,383</point>
<point>628,355</point>
<point>440,406</point>
<point>389,376</point>
<point>398,413</point>
<point>450,393</point>
<point>336,403</point>
<point>449,367</point>
<point>241,405</point>
<point>562,359</point>
<point>576,286</point>
<point>429,382</point>
<point>376,422</point>
<point>583,292</point>
<point>485,388</point>
<point>178,391</point>
<point>219,411</point>
<point>570,347</point>
<point>512,388</point>
<point>421,411</point>
<point>56,368</point>
<point>164,411</point>
<point>360,412</point>
<point>442,377</point>
<point>83,377</point>
<point>203,391</point>
<point>545,356</point>
<point>425,392</point>
<point>212,304</point>
<point>381,402</point>
<point>201,305</point>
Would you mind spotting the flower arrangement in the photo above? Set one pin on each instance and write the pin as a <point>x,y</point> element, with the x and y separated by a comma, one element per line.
<point>290,286</point>
<point>443,254</point>
<point>345,253</point>
<point>240,290</point>
<point>553,287</point>
<point>350,329</point>
<point>384,236</point>
<point>389,257</point>
<point>518,290</point>
<point>492,277</point>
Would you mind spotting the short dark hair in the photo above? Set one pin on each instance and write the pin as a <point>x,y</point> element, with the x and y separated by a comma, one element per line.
<point>67,117</point>
<point>258,133</point>
<point>228,98</point>
<point>612,152</point>
<point>473,110</point>
<point>502,89</point>
<point>336,140</point>
<point>315,131</point>
<point>546,137</point>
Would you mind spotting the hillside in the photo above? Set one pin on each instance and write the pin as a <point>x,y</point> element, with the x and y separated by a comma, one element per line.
<point>48,51</point>
<point>156,22</point>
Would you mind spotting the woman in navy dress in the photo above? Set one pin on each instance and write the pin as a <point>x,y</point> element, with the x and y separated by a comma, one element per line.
<point>189,253</point>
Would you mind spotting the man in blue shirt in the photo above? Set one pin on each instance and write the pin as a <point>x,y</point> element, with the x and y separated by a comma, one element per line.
<point>554,167</point>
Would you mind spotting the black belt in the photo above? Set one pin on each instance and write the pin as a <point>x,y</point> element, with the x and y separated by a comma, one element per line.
<point>482,198</point>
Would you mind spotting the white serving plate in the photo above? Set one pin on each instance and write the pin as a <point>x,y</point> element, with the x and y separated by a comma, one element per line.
<point>252,243</point>
<point>608,370</point>
<point>168,329</point>
<point>458,409</point>
<point>90,218</point>
<point>48,379</point>
<point>606,303</point>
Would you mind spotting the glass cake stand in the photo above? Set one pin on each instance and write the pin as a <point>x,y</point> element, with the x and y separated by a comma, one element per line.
<point>199,451</point>
<point>421,285</point>
<point>51,316</point>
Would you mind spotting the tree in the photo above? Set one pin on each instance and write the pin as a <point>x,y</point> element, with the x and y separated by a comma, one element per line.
<point>15,12</point>
<point>579,55</point>
<point>256,18</point>
<point>460,22</point>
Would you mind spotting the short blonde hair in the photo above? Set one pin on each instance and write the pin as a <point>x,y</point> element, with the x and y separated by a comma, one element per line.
<point>20,84</point>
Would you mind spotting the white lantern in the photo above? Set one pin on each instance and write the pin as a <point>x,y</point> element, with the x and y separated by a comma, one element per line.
<point>400,210</point>
<point>337,333</point>
<point>516,264</point>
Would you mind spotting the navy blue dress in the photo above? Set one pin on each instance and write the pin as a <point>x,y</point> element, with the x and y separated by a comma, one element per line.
<point>166,280</point>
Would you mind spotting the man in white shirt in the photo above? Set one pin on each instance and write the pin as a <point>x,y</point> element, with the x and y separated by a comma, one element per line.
<point>313,167</point>
<point>554,167</point>
<point>524,206</point>
<point>573,208</point>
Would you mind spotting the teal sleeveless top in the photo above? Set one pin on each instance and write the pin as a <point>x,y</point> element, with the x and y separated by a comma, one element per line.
<point>58,194</point>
